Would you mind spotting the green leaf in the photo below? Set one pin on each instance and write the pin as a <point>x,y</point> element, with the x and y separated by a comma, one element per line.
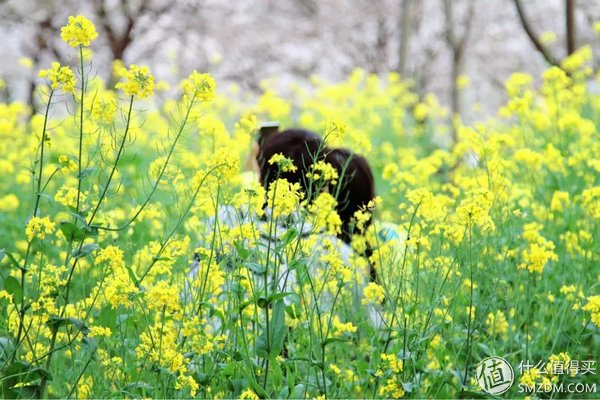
<point>11,258</point>
<point>293,312</point>
<point>20,372</point>
<point>6,349</point>
<point>71,231</point>
<point>258,389</point>
<point>262,302</point>
<point>288,237</point>
<point>85,250</point>
<point>278,328</point>
<point>108,317</point>
<point>285,393</point>
<point>86,172</point>
<point>131,274</point>
<point>276,376</point>
<point>79,217</point>
<point>299,391</point>
<point>297,263</point>
<point>27,392</point>
<point>56,322</point>
<point>277,331</point>
<point>201,377</point>
<point>256,268</point>
<point>242,251</point>
<point>244,305</point>
<point>90,342</point>
<point>237,385</point>
<point>13,286</point>
<point>279,296</point>
<point>74,233</point>
<point>229,369</point>
<point>262,350</point>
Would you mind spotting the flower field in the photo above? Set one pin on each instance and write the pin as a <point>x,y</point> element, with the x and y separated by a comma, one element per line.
<point>484,244</point>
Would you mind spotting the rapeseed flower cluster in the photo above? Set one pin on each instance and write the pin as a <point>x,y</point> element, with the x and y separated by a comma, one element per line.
<point>39,227</point>
<point>539,252</point>
<point>283,163</point>
<point>177,274</point>
<point>324,171</point>
<point>80,31</point>
<point>593,307</point>
<point>199,86</point>
<point>137,82</point>
<point>60,77</point>
<point>284,197</point>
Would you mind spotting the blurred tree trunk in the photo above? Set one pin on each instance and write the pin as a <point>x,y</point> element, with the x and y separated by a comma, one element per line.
<point>457,46</point>
<point>533,38</point>
<point>117,42</point>
<point>571,29</point>
<point>120,38</point>
<point>405,14</point>
<point>381,46</point>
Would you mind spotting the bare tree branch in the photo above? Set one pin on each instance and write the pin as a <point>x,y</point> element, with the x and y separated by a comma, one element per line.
<point>457,46</point>
<point>405,13</point>
<point>532,36</point>
<point>571,28</point>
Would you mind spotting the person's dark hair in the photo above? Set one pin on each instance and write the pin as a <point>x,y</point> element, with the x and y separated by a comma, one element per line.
<point>303,147</point>
<point>355,190</point>
<point>356,186</point>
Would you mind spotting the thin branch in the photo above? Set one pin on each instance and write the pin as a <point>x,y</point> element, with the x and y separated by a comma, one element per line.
<point>532,36</point>
<point>571,27</point>
<point>468,25</point>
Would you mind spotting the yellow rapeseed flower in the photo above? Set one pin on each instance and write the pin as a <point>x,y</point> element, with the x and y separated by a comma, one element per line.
<point>496,323</point>
<point>593,306</point>
<point>559,200</point>
<point>248,394</point>
<point>539,252</point>
<point>285,164</point>
<point>548,37</point>
<point>335,130</point>
<point>59,77</point>
<point>284,197</point>
<point>39,227</point>
<point>324,215</point>
<point>323,170</point>
<point>392,362</point>
<point>67,163</point>
<point>9,202</point>
<point>343,327</point>
<point>80,31</point>
<point>462,81</point>
<point>200,86</point>
<point>391,389</point>
<point>373,294</point>
<point>99,331</point>
<point>138,82</point>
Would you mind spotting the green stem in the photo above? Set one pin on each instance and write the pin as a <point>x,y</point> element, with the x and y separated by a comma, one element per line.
<point>102,196</point>
<point>469,333</point>
<point>160,174</point>
<point>79,177</point>
<point>38,194</point>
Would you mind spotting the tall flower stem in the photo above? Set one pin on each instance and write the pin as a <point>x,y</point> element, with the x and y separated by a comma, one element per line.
<point>79,177</point>
<point>38,195</point>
